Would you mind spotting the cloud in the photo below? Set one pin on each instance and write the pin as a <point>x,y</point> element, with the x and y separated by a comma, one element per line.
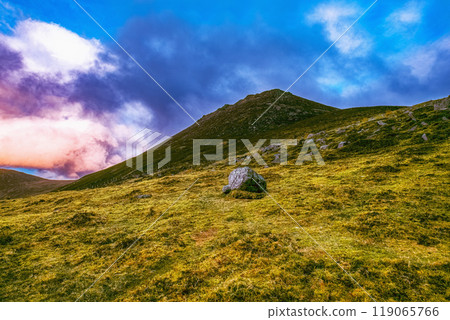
<point>423,60</point>
<point>401,20</point>
<point>42,124</point>
<point>60,138</point>
<point>335,19</point>
<point>51,50</point>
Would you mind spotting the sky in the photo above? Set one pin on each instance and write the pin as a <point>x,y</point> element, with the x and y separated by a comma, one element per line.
<point>70,97</point>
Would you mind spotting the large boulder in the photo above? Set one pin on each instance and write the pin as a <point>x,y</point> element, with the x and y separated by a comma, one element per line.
<point>245,179</point>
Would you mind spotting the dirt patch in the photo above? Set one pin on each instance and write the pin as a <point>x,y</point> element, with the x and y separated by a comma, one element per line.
<point>204,236</point>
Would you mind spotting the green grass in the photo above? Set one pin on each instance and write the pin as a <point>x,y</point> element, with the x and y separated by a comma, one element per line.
<point>380,207</point>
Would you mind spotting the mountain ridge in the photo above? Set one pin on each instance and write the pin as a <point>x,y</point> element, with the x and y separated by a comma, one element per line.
<point>15,184</point>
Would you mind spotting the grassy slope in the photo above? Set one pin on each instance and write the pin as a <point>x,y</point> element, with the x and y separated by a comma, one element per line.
<point>230,121</point>
<point>14,184</point>
<point>379,206</point>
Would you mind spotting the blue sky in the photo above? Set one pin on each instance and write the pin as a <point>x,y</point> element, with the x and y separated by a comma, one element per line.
<point>206,54</point>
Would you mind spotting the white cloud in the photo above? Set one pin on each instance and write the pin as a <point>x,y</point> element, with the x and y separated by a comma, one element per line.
<point>422,60</point>
<point>135,113</point>
<point>51,50</point>
<point>336,18</point>
<point>404,18</point>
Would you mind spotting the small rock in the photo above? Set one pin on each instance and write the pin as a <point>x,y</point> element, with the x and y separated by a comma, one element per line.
<point>339,131</point>
<point>321,141</point>
<point>381,123</point>
<point>445,118</point>
<point>310,136</point>
<point>424,123</point>
<point>442,105</point>
<point>413,128</point>
<point>226,189</point>
<point>324,147</point>
<point>144,196</point>
<point>270,147</point>
<point>341,144</point>
<point>410,114</point>
<point>424,137</point>
<point>277,158</point>
<point>393,128</point>
<point>245,179</point>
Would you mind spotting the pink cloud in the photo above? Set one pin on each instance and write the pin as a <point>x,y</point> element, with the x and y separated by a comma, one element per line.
<point>60,137</point>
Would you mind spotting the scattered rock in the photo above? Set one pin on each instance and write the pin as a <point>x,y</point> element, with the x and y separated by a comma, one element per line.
<point>270,147</point>
<point>144,196</point>
<point>341,144</point>
<point>424,123</point>
<point>442,105</point>
<point>445,118</point>
<point>381,123</point>
<point>339,131</point>
<point>310,136</point>
<point>424,137</point>
<point>413,128</point>
<point>410,114</point>
<point>324,147</point>
<point>321,140</point>
<point>277,158</point>
<point>245,179</point>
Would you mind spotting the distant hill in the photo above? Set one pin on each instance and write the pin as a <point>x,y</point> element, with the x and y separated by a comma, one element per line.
<point>14,184</point>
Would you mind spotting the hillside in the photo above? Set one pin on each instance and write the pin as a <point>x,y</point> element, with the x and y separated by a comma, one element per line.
<point>379,207</point>
<point>229,121</point>
<point>14,184</point>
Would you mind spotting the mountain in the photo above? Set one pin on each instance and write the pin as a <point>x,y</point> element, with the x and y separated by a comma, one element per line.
<point>14,184</point>
<point>229,121</point>
<point>378,207</point>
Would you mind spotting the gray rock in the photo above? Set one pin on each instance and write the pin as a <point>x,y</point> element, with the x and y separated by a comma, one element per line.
<point>310,136</point>
<point>381,123</point>
<point>445,118</point>
<point>324,147</point>
<point>413,128</point>
<point>321,141</point>
<point>277,158</point>
<point>339,131</point>
<point>442,105</point>
<point>410,114</point>
<point>245,179</point>
<point>144,196</point>
<point>270,147</point>
<point>424,123</point>
<point>424,137</point>
<point>341,144</point>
